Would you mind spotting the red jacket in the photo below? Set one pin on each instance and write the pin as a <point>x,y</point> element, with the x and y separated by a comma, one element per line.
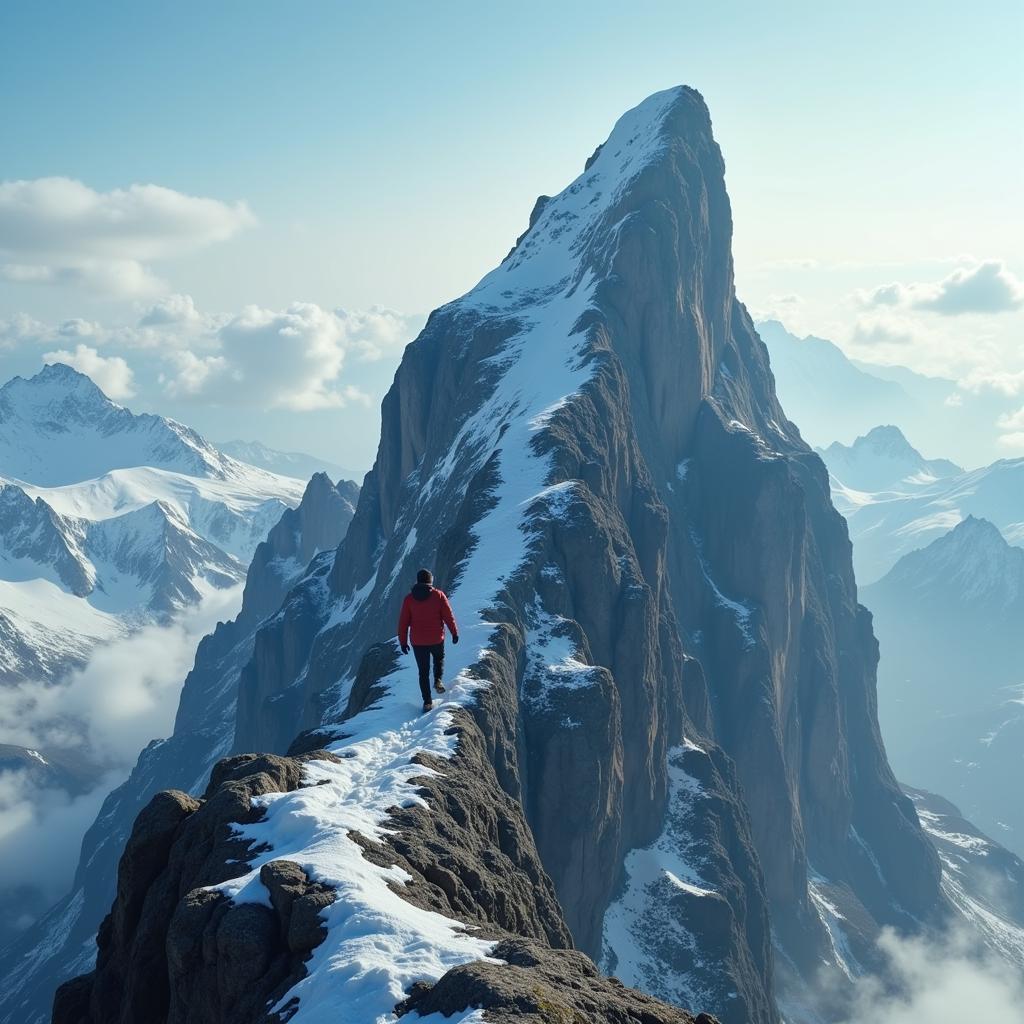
<point>426,611</point>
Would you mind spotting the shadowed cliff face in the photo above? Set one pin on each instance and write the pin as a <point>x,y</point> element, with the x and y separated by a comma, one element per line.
<point>652,583</point>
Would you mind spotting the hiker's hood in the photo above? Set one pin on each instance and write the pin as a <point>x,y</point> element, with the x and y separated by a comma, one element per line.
<point>421,591</point>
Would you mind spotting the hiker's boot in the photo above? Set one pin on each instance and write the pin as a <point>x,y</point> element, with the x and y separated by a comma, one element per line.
<point>439,686</point>
<point>428,705</point>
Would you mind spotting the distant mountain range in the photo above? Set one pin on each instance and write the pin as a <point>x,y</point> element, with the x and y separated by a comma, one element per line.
<point>950,624</point>
<point>834,398</point>
<point>297,464</point>
<point>905,501</point>
<point>110,520</point>
<point>935,549</point>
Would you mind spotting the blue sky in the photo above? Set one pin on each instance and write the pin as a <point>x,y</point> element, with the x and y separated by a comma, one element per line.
<point>388,155</point>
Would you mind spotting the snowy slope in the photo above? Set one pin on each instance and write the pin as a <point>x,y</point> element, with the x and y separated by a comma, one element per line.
<point>982,879</point>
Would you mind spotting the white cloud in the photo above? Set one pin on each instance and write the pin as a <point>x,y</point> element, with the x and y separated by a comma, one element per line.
<point>995,378</point>
<point>193,373</point>
<point>987,288</point>
<point>350,393</point>
<point>883,329</point>
<point>113,723</point>
<point>60,231</point>
<point>939,983</point>
<point>1012,426</point>
<point>1012,420</point>
<point>984,287</point>
<point>172,309</point>
<point>291,359</point>
<point>41,828</point>
<point>111,373</point>
<point>377,332</point>
<point>41,832</point>
<point>1014,441</point>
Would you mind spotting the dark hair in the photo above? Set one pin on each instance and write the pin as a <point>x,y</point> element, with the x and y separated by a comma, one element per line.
<point>424,576</point>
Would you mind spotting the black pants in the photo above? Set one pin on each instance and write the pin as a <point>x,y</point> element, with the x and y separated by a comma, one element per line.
<point>423,653</point>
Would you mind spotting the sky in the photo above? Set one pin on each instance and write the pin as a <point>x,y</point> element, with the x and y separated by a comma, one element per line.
<point>239,213</point>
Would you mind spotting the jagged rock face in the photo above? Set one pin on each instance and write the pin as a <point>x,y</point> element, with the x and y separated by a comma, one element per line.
<point>685,552</point>
<point>60,945</point>
<point>655,591</point>
<point>175,949</point>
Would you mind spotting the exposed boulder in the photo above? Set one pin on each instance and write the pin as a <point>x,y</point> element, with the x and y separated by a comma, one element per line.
<point>175,949</point>
<point>537,985</point>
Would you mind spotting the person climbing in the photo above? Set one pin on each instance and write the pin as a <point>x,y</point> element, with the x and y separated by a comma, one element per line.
<point>425,613</point>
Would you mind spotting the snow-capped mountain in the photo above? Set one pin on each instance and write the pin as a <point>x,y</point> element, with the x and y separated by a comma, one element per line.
<point>884,460</point>
<point>909,513</point>
<point>297,464</point>
<point>658,742</point>
<point>59,428</point>
<point>109,520</point>
<point>950,622</point>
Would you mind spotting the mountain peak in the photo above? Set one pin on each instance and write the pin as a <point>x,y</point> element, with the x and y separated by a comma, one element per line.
<point>60,428</point>
<point>888,439</point>
<point>55,382</point>
<point>65,374</point>
<point>976,531</point>
<point>884,460</point>
<point>570,233</point>
<point>973,560</point>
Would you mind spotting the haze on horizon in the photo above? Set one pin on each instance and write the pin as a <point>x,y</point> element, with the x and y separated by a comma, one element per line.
<point>247,244</point>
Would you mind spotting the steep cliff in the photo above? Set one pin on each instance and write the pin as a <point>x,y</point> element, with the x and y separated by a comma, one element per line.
<point>665,681</point>
<point>61,944</point>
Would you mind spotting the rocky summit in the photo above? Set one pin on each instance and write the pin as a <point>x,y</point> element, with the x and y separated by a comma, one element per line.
<point>655,786</point>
